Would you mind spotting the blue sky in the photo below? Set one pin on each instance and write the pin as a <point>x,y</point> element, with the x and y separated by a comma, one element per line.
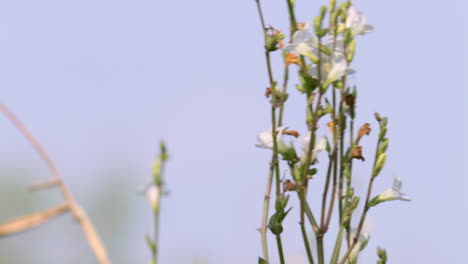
<point>100,82</point>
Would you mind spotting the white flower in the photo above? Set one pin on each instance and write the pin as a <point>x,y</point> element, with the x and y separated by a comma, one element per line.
<point>362,241</point>
<point>333,70</point>
<point>356,21</point>
<point>266,140</point>
<point>303,42</point>
<point>391,194</point>
<point>153,194</point>
<point>320,146</point>
<point>394,193</point>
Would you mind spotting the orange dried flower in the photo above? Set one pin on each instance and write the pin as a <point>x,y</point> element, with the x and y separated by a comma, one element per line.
<point>289,185</point>
<point>267,92</point>
<point>291,132</point>
<point>292,58</point>
<point>331,126</point>
<point>356,153</point>
<point>364,130</point>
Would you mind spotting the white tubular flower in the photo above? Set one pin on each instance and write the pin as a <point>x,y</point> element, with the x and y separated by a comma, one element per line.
<point>265,140</point>
<point>356,21</point>
<point>391,194</point>
<point>303,43</point>
<point>333,70</point>
<point>153,195</point>
<point>320,146</point>
<point>339,65</point>
<point>362,242</point>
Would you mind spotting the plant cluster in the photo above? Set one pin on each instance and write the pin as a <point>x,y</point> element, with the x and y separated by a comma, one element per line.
<point>322,54</point>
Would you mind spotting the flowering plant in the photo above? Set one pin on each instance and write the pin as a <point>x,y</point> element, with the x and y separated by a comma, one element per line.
<point>323,58</point>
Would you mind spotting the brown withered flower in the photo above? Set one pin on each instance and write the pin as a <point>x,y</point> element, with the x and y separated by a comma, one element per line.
<point>363,130</point>
<point>291,133</point>
<point>350,100</point>
<point>289,185</point>
<point>267,92</point>
<point>356,153</point>
<point>292,58</point>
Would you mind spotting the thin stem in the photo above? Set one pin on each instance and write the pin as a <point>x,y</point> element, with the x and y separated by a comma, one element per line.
<point>78,212</point>
<point>308,212</point>
<point>306,242</point>
<point>266,204</point>
<point>292,16</point>
<point>274,160</point>
<point>321,258</point>
<point>325,192</point>
<point>160,186</point>
<point>364,213</point>
<point>285,86</point>
<point>280,248</point>
<point>336,249</point>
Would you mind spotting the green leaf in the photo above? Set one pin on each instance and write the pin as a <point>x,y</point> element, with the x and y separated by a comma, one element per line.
<point>262,261</point>
<point>151,244</point>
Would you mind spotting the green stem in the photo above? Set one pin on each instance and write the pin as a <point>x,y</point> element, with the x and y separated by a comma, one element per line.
<point>306,242</point>
<point>285,86</point>
<point>266,205</point>
<point>364,213</point>
<point>336,249</point>
<point>321,258</point>
<point>280,249</point>
<point>325,192</point>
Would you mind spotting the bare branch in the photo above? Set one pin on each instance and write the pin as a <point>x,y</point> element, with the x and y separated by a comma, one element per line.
<point>78,212</point>
<point>26,222</point>
<point>43,184</point>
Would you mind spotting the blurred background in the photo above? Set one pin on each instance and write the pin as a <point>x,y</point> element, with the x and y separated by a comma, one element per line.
<point>99,83</point>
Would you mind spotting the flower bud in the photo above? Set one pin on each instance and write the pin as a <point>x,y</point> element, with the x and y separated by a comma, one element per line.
<point>332,5</point>
<point>378,117</point>
<point>323,12</point>
<point>382,253</point>
<point>317,25</point>
<point>382,133</point>
<point>355,203</point>
<point>380,163</point>
<point>351,51</point>
<point>384,145</point>
<point>157,172</point>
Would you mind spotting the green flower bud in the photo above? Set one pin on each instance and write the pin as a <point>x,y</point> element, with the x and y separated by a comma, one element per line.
<point>355,203</point>
<point>275,225</point>
<point>339,84</point>
<point>352,50</point>
<point>382,133</point>
<point>323,12</point>
<point>378,117</point>
<point>332,5</point>
<point>157,172</point>
<point>317,25</point>
<point>297,174</point>
<point>382,253</point>
<point>384,145</point>
<point>379,164</point>
<point>281,202</point>
<point>325,50</point>
<point>348,36</point>
<point>347,172</point>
